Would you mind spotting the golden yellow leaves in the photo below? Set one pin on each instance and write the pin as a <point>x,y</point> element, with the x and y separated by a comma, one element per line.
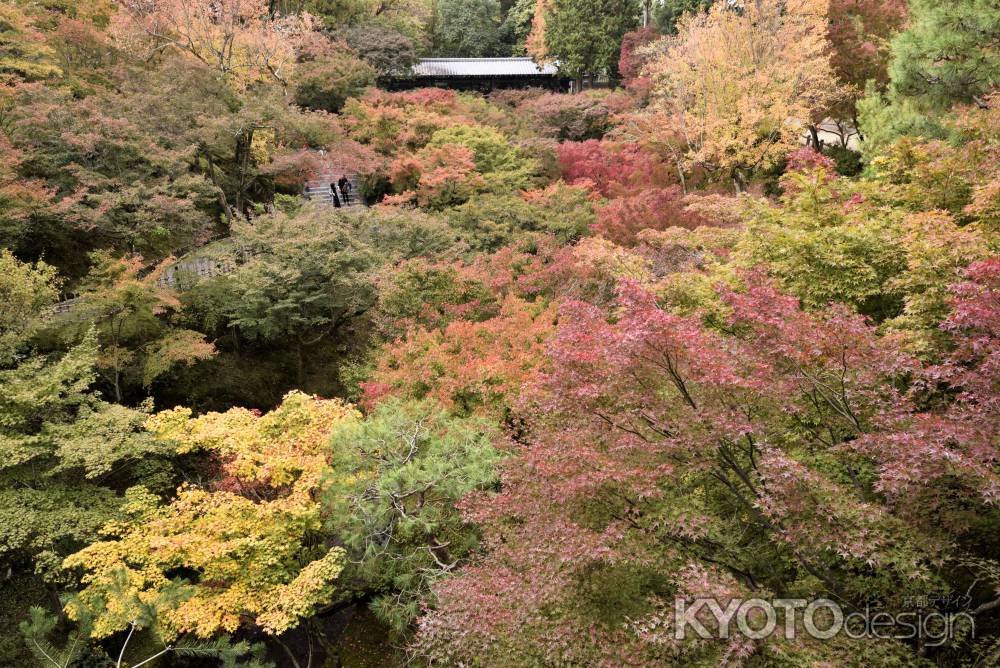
<point>294,600</point>
<point>247,550</point>
<point>275,449</point>
<point>737,88</point>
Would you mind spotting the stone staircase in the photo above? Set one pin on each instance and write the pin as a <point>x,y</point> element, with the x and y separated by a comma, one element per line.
<point>196,268</point>
<point>318,189</point>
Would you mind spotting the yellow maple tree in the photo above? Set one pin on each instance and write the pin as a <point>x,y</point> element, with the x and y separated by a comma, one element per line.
<point>248,550</point>
<point>737,85</point>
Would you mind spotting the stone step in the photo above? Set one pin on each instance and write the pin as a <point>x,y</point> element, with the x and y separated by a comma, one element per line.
<point>318,188</point>
<point>325,190</point>
<point>319,194</point>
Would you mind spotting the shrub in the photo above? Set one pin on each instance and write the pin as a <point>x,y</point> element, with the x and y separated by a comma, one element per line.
<point>328,84</point>
<point>388,51</point>
<point>613,168</point>
<point>848,162</point>
<point>572,117</point>
<point>494,220</point>
<point>622,218</point>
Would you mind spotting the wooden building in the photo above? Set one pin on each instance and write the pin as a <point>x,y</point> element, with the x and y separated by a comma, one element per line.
<point>480,74</point>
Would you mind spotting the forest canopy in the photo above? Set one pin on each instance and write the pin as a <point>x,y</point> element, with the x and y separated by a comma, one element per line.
<point>302,365</point>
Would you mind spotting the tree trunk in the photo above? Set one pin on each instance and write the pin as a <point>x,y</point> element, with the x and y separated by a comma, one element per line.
<point>223,202</point>
<point>816,143</point>
<point>739,180</point>
<point>299,365</point>
<point>244,142</point>
<point>115,329</point>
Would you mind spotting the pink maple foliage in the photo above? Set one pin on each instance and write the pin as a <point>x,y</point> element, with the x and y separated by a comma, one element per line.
<point>653,443</point>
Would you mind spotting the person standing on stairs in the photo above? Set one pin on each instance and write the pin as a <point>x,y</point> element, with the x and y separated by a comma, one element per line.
<point>345,189</point>
<point>333,191</point>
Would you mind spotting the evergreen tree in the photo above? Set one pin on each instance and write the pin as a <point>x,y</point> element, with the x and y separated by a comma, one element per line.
<point>467,29</point>
<point>585,36</point>
<point>668,12</point>
<point>949,54</point>
<point>396,479</point>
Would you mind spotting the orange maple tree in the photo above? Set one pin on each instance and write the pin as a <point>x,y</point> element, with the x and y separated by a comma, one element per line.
<point>241,39</point>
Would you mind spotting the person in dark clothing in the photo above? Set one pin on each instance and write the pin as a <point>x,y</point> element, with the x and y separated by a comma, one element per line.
<point>333,191</point>
<point>345,189</point>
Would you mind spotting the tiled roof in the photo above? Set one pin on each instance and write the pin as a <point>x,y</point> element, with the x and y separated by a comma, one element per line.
<point>480,67</point>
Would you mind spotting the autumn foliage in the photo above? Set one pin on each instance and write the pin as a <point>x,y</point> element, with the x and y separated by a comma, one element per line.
<point>655,432</point>
<point>240,39</point>
<point>739,86</point>
<point>564,363</point>
<point>469,367</point>
<point>248,543</point>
